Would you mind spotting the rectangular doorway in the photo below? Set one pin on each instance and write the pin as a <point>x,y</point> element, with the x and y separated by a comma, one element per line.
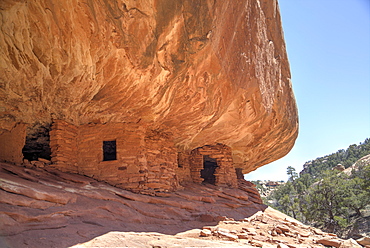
<point>209,168</point>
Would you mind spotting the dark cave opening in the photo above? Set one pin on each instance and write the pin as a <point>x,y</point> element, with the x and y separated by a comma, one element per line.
<point>37,143</point>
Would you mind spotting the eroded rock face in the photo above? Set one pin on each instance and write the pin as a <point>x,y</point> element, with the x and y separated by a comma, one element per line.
<point>40,205</point>
<point>203,72</point>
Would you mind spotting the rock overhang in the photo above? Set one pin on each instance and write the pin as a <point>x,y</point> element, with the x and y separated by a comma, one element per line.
<point>202,72</point>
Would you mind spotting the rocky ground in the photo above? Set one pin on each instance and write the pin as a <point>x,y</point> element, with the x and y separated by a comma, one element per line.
<point>268,228</point>
<point>42,207</point>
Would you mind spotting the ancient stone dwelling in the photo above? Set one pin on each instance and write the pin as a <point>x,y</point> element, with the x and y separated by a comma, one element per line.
<point>146,95</point>
<point>129,157</point>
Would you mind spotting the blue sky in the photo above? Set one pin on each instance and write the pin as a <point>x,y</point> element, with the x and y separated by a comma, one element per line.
<point>328,45</point>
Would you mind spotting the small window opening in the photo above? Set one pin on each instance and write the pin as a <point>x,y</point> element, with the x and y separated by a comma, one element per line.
<point>109,150</point>
<point>208,173</point>
<point>179,162</point>
<point>239,173</point>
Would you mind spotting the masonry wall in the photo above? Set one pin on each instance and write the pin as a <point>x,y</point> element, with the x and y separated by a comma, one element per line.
<point>145,160</point>
<point>63,145</point>
<point>11,144</point>
<point>161,160</point>
<point>124,170</point>
<point>183,167</point>
<point>225,172</point>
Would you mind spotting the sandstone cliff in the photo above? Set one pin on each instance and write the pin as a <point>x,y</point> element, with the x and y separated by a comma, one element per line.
<point>202,72</point>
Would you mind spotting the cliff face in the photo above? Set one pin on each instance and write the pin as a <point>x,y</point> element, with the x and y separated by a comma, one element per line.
<point>203,72</point>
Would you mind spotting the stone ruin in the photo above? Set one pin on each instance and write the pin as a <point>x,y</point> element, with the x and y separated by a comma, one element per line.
<point>145,95</point>
<point>123,155</point>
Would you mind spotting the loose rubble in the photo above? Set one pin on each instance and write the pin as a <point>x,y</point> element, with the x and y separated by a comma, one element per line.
<point>271,228</point>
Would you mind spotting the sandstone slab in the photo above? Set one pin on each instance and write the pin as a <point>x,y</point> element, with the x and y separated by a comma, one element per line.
<point>364,241</point>
<point>330,242</point>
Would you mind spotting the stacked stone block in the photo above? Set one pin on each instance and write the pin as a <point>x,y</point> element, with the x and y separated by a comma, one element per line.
<point>145,160</point>
<point>161,158</point>
<point>63,145</point>
<point>196,165</point>
<point>225,172</point>
<point>183,167</point>
<point>11,144</point>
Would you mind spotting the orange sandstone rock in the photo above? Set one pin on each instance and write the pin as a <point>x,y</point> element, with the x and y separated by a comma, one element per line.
<point>202,72</point>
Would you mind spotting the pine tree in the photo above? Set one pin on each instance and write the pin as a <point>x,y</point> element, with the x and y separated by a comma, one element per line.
<point>291,173</point>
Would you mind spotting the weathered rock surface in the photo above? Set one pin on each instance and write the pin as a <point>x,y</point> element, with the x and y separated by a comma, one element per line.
<point>204,72</point>
<point>255,231</point>
<point>43,207</point>
<point>94,214</point>
<point>270,228</point>
<point>365,241</point>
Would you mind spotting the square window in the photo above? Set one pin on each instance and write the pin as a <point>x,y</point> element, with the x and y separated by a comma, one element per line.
<point>109,150</point>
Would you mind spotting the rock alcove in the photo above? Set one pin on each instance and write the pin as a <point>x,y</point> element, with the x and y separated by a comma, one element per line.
<point>168,81</point>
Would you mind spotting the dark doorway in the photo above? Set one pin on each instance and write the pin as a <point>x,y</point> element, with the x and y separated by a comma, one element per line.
<point>109,150</point>
<point>239,173</point>
<point>208,173</point>
<point>37,143</point>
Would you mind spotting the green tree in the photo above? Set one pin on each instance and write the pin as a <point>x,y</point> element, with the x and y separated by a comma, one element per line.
<point>324,197</point>
<point>325,201</point>
<point>291,173</point>
<point>335,198</point>
<point>285,200</point>
<point>357,188</point>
